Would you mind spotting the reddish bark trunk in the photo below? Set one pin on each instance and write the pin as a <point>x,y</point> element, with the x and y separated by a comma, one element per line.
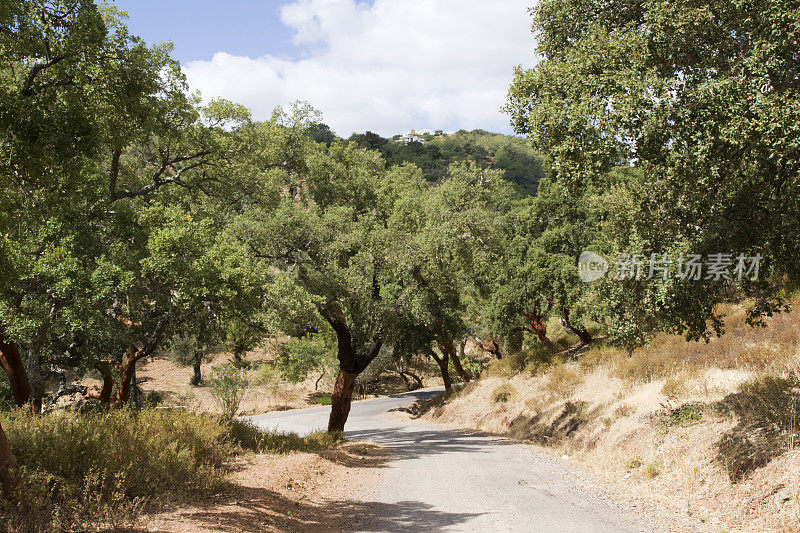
<point>538,326</point>
<point>493,349</point>
<point>11,361</point>
<point>9,470</point>
<point>341,399</point>
<point>446,346</point>
<point>108,386</point>
<point>443,368</point>
<point>126,378</point>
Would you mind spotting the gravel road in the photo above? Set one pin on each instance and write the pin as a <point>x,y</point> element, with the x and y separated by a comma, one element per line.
<point>445,480</point>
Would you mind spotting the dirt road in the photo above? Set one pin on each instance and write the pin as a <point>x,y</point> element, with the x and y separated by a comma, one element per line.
<point>444,480</point>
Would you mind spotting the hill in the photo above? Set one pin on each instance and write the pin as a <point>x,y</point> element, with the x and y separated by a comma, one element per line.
<point>520,164</point>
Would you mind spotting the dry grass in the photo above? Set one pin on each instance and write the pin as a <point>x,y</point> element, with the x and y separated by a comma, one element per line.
<point>769,349</point>
<point>563,380</point>
<point>706,430</point>
<point>101,469</point>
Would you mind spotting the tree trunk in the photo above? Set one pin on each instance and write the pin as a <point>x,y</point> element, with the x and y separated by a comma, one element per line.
<point>197,378</point>
<point>405,374</point>
<point>443,362</point>
<point>447,347</point>
<point>126,378</point>
<point>11,361</point>
<point>108,383</point>
<point>584,336</point>
<point>538,326</point>
<point>341,399</point>
<point>351,363</point>
<point>494,349</point>
<point>9,470</point>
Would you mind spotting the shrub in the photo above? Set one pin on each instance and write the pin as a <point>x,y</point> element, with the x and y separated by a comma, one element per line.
<point>562,380</point>
<point>504,393</point>
<point>265,375</point>
<point>766,410</point>
<point>685,415</point>
<point>79,469</point>
<point>99,469</point>
<point>633,463</point>
<point>228,385</point>
<point>652,471</point>
<point>324,400</point>
<point>475,366</point>
<point>300,355</point>
<point>152,399</point>
<point>252,438</point>
<point>598,355</point>
<point>533,361</point>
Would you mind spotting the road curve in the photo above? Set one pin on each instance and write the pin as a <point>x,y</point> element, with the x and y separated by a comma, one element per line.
<point>445,480</point>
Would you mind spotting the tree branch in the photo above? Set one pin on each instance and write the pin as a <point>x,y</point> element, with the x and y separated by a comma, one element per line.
<point>27,86</point>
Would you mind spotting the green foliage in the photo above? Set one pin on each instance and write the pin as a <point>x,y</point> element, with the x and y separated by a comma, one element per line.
<point>685,415</point>
<point>81,468</point>
<point>254,439</point>
<point>299,356</point>
<point>228,384</point>
<point>324,400</point>
<point>515,160</point>
<point>693,100</point>
<point>265,375</point>
<point>185,349</point>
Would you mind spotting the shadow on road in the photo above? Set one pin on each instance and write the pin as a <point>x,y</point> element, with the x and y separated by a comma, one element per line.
<point>258,509</point>
<point>406,443</point>
<point>359,455</point>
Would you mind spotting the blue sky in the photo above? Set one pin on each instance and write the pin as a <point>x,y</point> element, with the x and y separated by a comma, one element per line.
<point>382,65</point>
<point>199,28</point>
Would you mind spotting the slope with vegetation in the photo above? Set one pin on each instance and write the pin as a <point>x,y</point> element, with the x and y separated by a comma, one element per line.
<point>709,431</point>
<point>517,161</point>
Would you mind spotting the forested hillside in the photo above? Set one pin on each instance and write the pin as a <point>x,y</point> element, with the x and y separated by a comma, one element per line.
<point>519,163</point>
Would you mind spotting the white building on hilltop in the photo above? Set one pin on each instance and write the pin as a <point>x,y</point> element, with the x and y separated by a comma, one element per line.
<point>413,136</point>
<point>420,135</point>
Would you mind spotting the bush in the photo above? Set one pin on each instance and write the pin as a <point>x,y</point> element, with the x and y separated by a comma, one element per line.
<point>79,469</point>
<point>300,355</point>
<point>324,400</point>
<point>475,366</point>
<point>767,414</point>
<point>533,361</point>
<point>562,380</point>
<point>254,439</point>
<point>633,463</point>
<point>228,385</point>
<point>685,415</point>
<point>504,393</point>
<point>99,469</point>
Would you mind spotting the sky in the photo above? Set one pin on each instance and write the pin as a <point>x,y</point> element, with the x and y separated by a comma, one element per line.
<point>386,66</point>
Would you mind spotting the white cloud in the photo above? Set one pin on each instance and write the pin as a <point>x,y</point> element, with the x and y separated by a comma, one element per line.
<point>387,66</point>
